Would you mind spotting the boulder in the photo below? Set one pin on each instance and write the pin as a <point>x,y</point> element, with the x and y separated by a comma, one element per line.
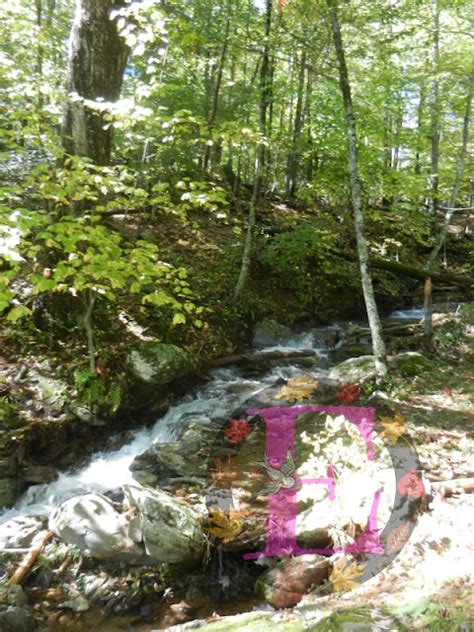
<point>354,370</point>
<point>185,457</point>
<point>156,364</point>
<point>10,490</point>
<point>38,474</point>
<point>92,523</point>
<point>18,533</point>
<point>16,619</point>
<point>270,333</point>
<point>171,531</point>
<point>349,350</point>
<point>285,585</point>
<point>410,363</point>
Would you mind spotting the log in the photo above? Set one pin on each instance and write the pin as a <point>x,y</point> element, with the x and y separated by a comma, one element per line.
<point>462,280</point>
<point>38,544</point>
<point>262,356</point>
<point>448,488</point>
<point>442,276</point>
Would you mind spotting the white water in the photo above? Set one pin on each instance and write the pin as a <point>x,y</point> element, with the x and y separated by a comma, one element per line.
<point>419,312</point>
<point>226,391</point>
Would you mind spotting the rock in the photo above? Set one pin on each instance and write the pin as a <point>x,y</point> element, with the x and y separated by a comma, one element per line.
<point>38,474</point>
<point>349,350</point>
<point>270,333</point>
<point>326,337</point>
<point>17,596</point>
<point>410,363</point>
<point>284,585</point>
<point>171,531</point>
<point>10,490</point>
<point>16,619</point>
<point>156,364</point>
<point>78,604</point>
<point>185,457</point>
<point>91,523</point>
<point>354,370</point>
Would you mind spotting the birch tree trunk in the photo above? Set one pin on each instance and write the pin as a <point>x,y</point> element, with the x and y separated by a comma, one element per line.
<point>362,249</point>
<point>428,318</point>
<point>97,59</point>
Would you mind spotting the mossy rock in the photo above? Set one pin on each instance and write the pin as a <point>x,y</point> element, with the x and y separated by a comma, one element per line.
<point>356,620</point>
<point>354,370</point>
<point>250,622</point>
<point>411,363</point>
<point>157,364</point>
<point>466,313</point>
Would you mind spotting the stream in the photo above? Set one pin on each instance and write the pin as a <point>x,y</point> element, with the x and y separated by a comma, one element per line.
<point>226,391</point>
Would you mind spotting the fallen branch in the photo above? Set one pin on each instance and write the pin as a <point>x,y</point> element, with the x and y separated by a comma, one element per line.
<point>38,544</point>
<point>262,356</point>
<point>450,487</point>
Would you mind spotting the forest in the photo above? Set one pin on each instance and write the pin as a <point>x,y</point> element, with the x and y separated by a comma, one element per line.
<point>236,260</point>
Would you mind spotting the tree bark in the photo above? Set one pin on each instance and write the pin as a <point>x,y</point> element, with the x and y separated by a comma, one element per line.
<point>362,249</point>
<point>449,213</point>
<point>435,133</point>
<point>293,161</point>
<point>259,158</point>
<point>97,60</point>
<point>217,87</point>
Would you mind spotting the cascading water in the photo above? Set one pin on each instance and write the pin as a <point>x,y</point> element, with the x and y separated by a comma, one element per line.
<point>225,392</point>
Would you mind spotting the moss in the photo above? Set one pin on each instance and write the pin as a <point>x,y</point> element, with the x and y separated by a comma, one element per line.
<point>410,364</point>
<point>8,413</point>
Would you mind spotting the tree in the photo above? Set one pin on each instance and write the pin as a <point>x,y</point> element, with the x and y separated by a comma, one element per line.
<point>97,60</point>
<point>362,249</point>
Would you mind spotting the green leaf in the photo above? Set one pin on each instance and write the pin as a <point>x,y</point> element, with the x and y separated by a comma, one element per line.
<point>18,312</point>
<point>178,319</point>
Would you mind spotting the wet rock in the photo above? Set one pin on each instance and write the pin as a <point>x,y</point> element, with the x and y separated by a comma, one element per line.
<point>17,596</point>
<point>284,585</point>
<point>156,364</point>
<point>186,457</point>
<point>92,523</point>
<point>171,531</point>
<point>270,333</point>
<point>355,370</point>
<point>349,350</point>
<point>38,474</point>
<point>10,490</point>
<point>78,604</point>
<point>16,619</point>
<point>326,337</point>
<point>18,533</point>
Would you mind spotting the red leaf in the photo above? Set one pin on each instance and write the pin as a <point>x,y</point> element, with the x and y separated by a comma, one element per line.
<point>237,431</point>
<point>411,485</point>
<point>348,393</point>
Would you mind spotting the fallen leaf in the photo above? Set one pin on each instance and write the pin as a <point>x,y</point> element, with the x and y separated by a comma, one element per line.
<point>398,538</point>
<point>227,526</point>
<point>411,485</point>
<point>225,472</point>
<point>237,430</point>
<point>298,389</point>
<point>348,393</point>
<point>343,574</point>
<point>394,427</point>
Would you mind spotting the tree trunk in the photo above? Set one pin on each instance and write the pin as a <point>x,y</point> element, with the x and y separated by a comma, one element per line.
<point>435,133</point>
<point>259,158</point>
<point>97,59</point>
<point>449,213</point>
<point>362,249</point>
<point>217,87</point>
<point>293,162</point>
